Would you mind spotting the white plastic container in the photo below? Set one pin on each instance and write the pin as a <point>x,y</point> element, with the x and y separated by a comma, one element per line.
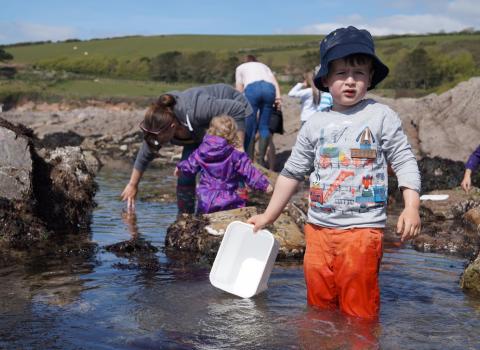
<point>244,260</point>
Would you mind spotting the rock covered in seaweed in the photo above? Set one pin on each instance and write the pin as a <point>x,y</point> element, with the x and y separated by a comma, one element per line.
<point>471,276</point>
<point>470,280</point>
<point>445,227</point>
<point>203,234</point>
<point>42,192</point>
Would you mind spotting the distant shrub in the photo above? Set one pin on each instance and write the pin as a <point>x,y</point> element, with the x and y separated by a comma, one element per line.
<point>28,43</point>
<point>422,69</point>
<point>4,55</point>
<point>99,66</point>
<point>199,67</point>
<point>416,70</point>
<point>8,72</point>
<point>133,69</point>
<point>71,40</point>
<point>166,66</point>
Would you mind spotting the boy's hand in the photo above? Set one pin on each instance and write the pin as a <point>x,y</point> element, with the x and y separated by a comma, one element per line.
<point>259,221</point>
<point>408,225</point>
<point>176,172</point>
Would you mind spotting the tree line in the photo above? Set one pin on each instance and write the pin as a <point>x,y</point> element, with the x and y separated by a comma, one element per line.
<point>174,66</point>
<point>419,68</point>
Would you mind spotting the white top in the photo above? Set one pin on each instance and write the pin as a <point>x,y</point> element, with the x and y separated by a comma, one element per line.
<point>250,72</point>
<point>306,98</point>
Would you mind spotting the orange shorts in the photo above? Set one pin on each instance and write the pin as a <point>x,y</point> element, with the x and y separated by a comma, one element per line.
<point>341,269</point>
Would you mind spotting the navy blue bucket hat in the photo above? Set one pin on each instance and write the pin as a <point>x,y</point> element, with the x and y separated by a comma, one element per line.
<point>343,42</point>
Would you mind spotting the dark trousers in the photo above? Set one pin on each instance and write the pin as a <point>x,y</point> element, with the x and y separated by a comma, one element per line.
<point>186,185</point>
<point>261,96</point>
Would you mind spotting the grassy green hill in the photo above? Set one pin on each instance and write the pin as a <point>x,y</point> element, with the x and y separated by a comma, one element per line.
<point>136,47</point>
<point>145,66</point>
<point>276,48</point>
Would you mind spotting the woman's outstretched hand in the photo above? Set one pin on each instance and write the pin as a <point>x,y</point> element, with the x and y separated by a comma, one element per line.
<point>129,194</point>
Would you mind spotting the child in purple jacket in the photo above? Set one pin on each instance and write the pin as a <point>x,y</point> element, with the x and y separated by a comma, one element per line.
<point>221,168</point>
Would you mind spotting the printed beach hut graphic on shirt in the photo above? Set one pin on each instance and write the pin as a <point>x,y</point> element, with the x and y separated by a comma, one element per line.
<point>346,177</point>
<point>365,151</point>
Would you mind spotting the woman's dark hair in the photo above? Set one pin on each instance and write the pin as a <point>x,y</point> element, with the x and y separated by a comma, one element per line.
<point>250,58</point>
<point>160,114</point>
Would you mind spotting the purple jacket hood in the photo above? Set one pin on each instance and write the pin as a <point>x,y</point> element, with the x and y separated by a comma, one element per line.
<point>214,148</point>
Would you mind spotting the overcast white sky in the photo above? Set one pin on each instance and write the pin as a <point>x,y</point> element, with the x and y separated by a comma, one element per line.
<point>32,20</point>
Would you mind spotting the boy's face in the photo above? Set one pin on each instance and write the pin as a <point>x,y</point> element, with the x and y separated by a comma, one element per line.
<point>348,84</point>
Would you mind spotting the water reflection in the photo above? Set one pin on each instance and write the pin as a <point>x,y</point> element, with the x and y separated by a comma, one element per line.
<point>330,329</point>
<point>129,218</point>
<point>102,300</point>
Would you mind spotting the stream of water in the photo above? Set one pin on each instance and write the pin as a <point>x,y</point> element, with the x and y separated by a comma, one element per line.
<point>101,301</point>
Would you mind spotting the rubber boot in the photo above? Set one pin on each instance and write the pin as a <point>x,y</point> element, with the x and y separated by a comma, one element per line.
<point>262,150</point>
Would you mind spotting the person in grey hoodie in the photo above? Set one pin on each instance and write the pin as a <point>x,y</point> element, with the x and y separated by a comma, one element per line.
<point>182,117</point>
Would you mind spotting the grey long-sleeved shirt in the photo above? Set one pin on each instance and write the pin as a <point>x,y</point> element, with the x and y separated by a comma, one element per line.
<point>195,108</point>
<point>346,156</point>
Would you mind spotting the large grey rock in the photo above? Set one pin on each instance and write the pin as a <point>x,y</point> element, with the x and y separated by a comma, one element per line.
<point>67,200</point>
<point>42,192</point>
<point>15,166</point>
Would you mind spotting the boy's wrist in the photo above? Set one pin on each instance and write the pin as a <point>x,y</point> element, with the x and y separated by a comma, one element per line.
<point>268,217</point>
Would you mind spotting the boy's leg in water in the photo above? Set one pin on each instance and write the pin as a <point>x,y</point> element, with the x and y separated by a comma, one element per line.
<point>318,268</point>
<point>356,268</point>
<point>341,268</point>
<point>186,186</point>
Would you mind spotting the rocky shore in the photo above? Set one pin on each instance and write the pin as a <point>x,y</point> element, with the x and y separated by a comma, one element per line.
<point>44,193</point>
<point>50,154</point>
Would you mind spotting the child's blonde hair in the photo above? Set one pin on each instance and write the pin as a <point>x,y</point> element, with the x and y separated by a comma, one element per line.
<point>226,127</point>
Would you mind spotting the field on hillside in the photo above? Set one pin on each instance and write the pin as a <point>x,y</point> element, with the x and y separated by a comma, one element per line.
<point>137,46</point>
<point>275,48</point>
<point>141,66</point>
<point>115,90</point>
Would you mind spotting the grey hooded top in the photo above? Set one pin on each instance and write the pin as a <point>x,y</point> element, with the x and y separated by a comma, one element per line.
<point>195,108</point>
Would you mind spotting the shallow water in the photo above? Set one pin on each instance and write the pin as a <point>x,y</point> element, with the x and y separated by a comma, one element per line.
<point>101,301</point>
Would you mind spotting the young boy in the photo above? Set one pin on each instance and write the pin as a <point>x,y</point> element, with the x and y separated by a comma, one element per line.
<point>346,150</point>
